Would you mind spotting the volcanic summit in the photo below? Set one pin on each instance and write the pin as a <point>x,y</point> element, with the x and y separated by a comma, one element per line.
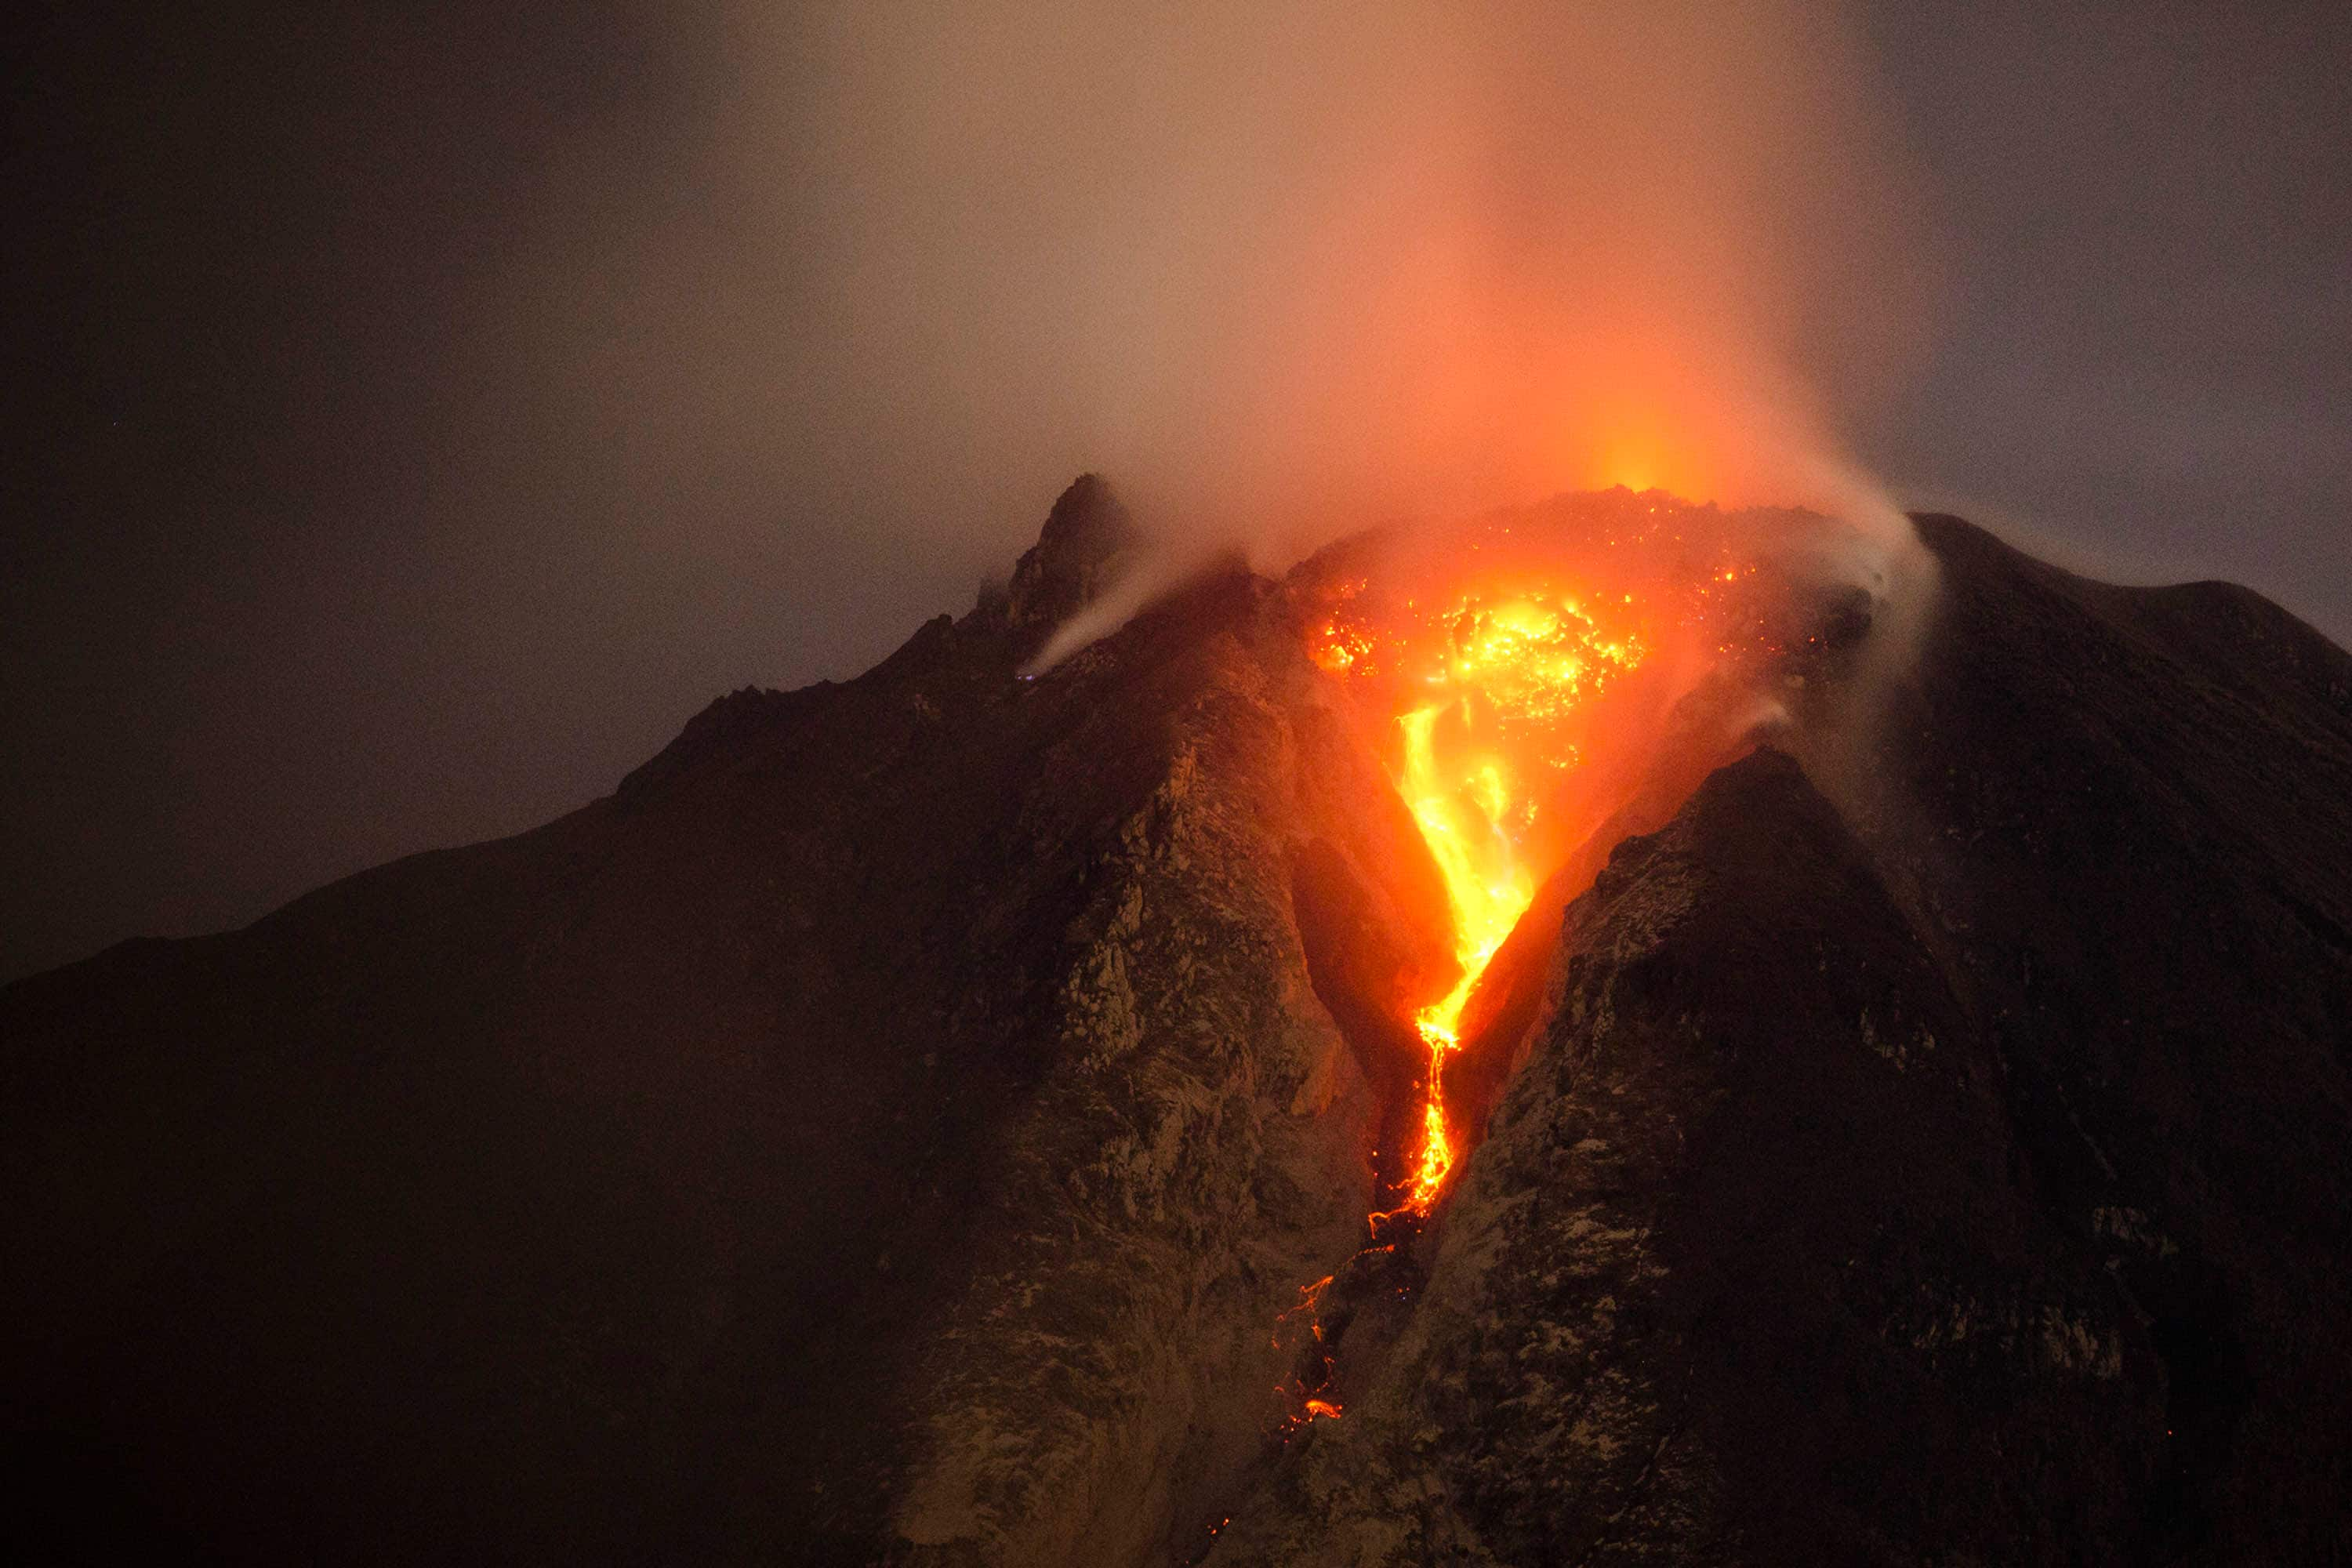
<point>1616,1032</point>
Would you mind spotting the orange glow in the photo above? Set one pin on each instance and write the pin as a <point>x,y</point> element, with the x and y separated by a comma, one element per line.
<point>1307,1399</point>
<point>1526,659</point>
<point>1534,680</point>
<point>1494,660</point>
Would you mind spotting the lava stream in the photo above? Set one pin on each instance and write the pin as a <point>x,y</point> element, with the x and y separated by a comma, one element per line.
<point>1492,661</point>
<point>1488,887</point>
<point>1518,672</point>
<point>1513,669</point>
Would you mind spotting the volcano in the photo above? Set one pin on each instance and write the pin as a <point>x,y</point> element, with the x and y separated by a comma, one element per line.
<point>973,1114</point>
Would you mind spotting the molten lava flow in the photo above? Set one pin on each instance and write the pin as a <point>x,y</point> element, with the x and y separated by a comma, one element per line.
<point>1532,679</point>
<point>1488,890</point>
<point>1493,657</point>
<point>1524,662</point>
<point>1541,682</point>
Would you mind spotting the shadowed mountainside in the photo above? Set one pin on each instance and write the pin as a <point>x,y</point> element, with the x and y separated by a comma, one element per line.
<point>890,1127</point>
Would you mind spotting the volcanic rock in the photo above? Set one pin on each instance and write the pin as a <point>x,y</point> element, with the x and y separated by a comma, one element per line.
<point>1087,538</point>
<point>898,1125</point>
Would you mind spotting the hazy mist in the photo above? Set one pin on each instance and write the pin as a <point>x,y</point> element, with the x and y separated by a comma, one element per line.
<point>1280,268</point>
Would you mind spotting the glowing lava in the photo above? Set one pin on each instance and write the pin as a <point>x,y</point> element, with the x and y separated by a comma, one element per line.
<point>1307,1395</point>
<point>1493,665</point>
<point>1504,673</point>
<point>1542,683</point>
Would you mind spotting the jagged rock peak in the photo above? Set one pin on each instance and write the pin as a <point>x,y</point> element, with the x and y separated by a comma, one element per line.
<point>1086,535</point>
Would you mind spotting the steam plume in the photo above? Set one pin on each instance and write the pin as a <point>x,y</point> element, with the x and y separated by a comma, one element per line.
<point>1282,267</point>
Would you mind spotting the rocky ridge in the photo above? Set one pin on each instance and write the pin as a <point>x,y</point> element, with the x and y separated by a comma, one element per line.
<point>890,1127</point>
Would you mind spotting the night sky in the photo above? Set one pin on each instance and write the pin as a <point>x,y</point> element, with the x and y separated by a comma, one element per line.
<point>415,415</point>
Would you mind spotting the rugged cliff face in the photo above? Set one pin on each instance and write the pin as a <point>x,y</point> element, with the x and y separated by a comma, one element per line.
<point>1933,1150</point>
<point>899,1114</point>
<point>894,1125</point>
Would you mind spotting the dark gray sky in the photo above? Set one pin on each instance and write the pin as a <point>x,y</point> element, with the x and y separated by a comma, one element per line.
<point>2147,345</point>
<point>415,413</point>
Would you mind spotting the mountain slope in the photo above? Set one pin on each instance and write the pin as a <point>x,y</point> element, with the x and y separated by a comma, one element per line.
<point>894,1125</point>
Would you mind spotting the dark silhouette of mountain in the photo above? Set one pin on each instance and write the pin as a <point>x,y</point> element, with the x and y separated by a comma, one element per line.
<point>893,1126</point>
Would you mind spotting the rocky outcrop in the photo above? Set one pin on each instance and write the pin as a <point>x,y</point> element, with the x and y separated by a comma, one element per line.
<point>1088,539</point>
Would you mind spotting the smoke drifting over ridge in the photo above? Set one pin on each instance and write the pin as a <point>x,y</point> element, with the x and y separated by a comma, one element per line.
<point>421,410</point>
<point>1283,269</point>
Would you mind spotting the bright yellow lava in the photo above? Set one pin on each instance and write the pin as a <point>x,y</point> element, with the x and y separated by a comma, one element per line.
<point>1475,764</point>
<point>1461,820</point>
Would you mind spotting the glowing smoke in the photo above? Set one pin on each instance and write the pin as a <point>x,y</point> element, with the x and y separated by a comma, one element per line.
<point>1283,266</point>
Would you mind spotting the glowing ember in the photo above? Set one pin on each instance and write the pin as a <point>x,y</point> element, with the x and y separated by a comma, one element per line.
<point>1306,1396</point>
<point>1492,666</point>
<point>1527,673</point>
<point>1517,664</point>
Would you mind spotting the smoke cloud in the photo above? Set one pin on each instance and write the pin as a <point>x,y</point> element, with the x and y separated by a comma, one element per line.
<point>1284,267</point>
<point>423,409</point>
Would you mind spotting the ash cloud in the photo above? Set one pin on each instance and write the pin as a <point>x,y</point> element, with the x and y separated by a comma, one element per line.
<point>1283,268</point>
<point>421,410</point>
